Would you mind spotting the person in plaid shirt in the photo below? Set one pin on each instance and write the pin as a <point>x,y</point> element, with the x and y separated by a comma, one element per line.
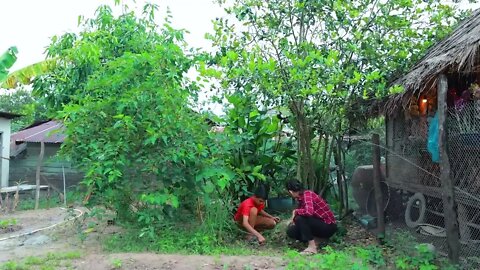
<point>313,217</point>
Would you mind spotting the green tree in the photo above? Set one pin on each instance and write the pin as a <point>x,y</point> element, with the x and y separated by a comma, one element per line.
<point>318,58</point>
<point>22,102</point>
<point>121,89</point>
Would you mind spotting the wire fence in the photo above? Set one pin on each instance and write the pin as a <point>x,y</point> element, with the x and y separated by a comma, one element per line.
<point>411,186</point>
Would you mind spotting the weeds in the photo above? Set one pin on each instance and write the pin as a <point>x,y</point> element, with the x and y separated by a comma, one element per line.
<point>217,234</point>
<point>46,203</point>
<point>329,259</point>
<point>50,261</point>
<point>116,263</point>
<point>7,223</point>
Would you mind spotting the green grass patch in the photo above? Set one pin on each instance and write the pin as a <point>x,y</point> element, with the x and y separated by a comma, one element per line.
<point>186,242</point>
<point>53,201</point>
<point>7,223</point>
<point>50,261</point>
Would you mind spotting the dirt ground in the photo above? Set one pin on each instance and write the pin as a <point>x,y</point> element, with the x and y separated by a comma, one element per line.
<point>149,261</point>
<point>65,237</point>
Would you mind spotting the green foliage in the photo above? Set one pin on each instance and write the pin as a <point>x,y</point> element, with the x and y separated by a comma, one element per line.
<point>121,89</point>
<point>116,263</point>
<point>25,75</point>
<point>7,223</point>
<point>423,259</point>
<point>320,58</point>
<point>329,259</point>
<point>258,151</point>
<point>73,197</point>
<point>22,102</point>
<point>371,254</point>
<point>7,59</point>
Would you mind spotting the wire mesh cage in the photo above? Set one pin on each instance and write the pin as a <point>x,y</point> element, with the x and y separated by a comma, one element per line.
<point>412,184</point>
<point>463,124</point>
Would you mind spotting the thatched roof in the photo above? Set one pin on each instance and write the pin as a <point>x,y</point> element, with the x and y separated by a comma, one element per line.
<point>458,52</point>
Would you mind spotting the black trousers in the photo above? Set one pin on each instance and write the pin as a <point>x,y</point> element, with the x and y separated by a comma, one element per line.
<point>305,228</point>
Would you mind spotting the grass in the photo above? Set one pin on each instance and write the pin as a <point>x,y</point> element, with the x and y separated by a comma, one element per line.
<point>7,222</point>
<point>186,242</point>
<point>46,203</point>
<point>204,239</point>
<point>338,255</point>
<point>50,261</point>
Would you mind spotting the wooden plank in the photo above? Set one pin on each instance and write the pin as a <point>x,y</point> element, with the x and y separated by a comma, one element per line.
<point>377,188</point>
<point>20,188</point>
<point>448,194</point>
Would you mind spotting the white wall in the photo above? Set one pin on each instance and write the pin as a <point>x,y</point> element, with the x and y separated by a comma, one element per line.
<point>5,151</point>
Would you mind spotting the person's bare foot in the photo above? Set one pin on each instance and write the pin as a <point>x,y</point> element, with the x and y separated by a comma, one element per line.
<point>309,251</point>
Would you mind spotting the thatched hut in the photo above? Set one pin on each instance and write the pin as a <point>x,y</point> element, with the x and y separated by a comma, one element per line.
<point>411,164</point>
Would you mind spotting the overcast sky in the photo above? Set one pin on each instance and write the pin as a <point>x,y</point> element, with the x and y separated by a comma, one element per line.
<point>29,24</point>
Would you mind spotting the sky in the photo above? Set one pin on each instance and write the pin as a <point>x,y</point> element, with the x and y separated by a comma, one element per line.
<point>29,24</point>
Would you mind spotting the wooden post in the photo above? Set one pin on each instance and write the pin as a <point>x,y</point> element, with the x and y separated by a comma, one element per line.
<point>37,176</point>
<point>448,194</point>
<point>377,187</point>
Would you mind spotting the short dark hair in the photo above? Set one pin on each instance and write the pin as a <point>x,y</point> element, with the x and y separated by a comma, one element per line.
<point>261,192</point>
<point>295,185</point>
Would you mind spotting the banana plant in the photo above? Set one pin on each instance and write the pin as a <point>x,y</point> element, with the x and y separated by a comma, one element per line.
<point>26,74</point>
<point>7,59</point>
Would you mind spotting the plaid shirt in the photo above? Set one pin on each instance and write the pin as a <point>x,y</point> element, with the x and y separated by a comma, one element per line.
<point>311,205</point>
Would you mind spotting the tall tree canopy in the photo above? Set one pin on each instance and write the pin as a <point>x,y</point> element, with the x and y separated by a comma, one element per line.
<point>317,58</point>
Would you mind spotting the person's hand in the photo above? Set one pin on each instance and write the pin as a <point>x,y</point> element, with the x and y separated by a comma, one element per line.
<point>291,222</point>
<point>261,239</point>
<point>277,219</point>
<point>292,219</point>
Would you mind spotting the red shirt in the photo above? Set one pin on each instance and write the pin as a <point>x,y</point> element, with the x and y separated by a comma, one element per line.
<point>311,205</point>
<point>244,208</point>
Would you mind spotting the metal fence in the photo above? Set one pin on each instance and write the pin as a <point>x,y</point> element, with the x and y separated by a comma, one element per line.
<point>412,187</point>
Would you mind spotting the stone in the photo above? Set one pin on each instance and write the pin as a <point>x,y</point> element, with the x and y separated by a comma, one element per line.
<point>37,240</point>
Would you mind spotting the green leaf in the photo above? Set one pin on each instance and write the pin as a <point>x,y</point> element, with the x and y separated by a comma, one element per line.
<point>209,187</point>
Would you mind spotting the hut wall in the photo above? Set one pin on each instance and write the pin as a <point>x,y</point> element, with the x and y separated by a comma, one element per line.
<point>23,167</point>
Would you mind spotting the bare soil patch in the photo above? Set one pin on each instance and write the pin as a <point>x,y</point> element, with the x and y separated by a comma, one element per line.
<point>151,261</point>
<point>10,229</point>
<point>64,238</point>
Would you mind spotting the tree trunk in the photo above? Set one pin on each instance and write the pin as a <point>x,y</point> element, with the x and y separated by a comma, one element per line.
<point>39,165</point>
<point>338,162</point>
<point>377,188</point>
<point>305,166</point>
<point>448,188</point>
<point>326,167</point>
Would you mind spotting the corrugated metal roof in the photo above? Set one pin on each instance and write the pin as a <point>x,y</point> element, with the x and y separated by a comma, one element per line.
<point>9,115</point>
<point>49,132</point>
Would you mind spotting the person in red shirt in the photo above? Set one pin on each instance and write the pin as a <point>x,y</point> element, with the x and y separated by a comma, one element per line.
<point>312,218</point>
<point>251,216</point>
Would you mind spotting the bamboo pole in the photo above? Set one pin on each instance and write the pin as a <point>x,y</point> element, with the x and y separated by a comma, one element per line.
<point>377,188</point>
<point>448,194</point>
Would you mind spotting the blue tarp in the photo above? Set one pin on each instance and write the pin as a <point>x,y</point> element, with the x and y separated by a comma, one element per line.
<point>432,144</point>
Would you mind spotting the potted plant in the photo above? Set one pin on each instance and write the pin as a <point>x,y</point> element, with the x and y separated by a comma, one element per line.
<point>280,201</point>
